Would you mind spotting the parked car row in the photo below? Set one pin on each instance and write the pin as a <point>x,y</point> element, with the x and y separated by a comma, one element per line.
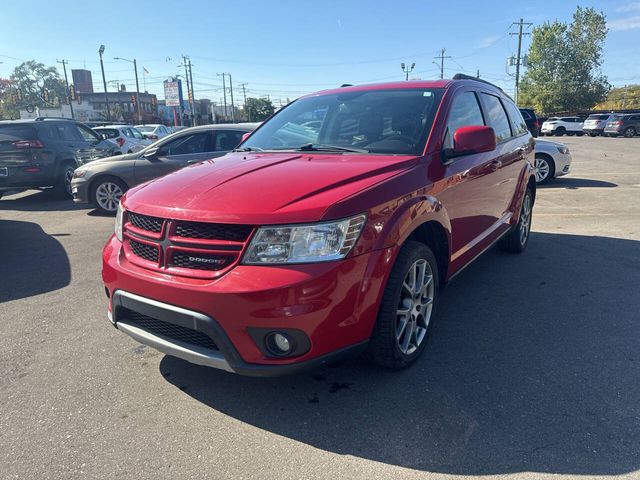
<point>607,124</point>
<point>128,138</point>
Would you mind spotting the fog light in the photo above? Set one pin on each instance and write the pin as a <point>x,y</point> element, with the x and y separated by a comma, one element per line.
<point>278,344</point>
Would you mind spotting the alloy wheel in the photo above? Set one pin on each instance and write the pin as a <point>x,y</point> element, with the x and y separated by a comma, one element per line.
<point>108,196</point>
<point>525,219</point>
<point>542,169</point>
<point>629,132</point>
<point>414,307</point>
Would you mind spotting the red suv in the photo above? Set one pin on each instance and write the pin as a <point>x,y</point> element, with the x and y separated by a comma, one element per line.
<point>329,231</point>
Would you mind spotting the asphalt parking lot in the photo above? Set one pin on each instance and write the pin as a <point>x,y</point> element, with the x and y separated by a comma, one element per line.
<point>532,370</point>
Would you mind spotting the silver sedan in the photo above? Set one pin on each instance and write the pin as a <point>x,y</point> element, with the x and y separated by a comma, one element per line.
<point>552,159</point>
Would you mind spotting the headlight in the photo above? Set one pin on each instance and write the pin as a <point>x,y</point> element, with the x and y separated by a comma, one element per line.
<point>118,228</point>
<point>317,242</point>
<point>79,173</point>
<point>563,149</point>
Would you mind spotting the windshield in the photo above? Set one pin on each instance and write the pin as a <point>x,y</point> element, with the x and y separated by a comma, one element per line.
<point>371,121</point>
<point>146,129</point>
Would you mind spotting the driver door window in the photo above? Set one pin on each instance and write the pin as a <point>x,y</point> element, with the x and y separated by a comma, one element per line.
<point>465,112</point>
<point>186,145</point>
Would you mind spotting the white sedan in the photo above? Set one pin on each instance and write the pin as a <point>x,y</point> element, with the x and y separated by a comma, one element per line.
<point>154,131</point>
<point>128,138</point>
<point>552,159</point>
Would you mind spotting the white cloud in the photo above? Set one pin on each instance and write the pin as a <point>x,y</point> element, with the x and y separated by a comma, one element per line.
<point>488,42</point>
<point>629,7</point>
<point>630,23</point>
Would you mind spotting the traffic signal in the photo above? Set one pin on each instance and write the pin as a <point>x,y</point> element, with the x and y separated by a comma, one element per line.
<point>190,96</point>
<point>72,92</point>
<point>45,95</point>
<point>133,100</point>
<point>19,95</point>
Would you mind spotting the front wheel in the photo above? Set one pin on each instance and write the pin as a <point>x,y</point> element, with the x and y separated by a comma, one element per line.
<point>405,316</point>
<point>62,188</point>
<point>106,193</point>
<point>516,240</point>
<point>630,132</point>
<point>560,131</point>
<point>544,169</point>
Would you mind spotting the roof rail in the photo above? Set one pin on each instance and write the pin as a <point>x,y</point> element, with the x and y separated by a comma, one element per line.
<point>462,76</point>
<point>40,119</point>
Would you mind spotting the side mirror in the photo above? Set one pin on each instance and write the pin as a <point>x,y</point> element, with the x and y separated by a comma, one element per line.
<point>473,139</point>
<point>151,152</point>
<point>245,136</point>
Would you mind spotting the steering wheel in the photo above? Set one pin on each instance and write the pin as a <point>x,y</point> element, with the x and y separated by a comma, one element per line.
<point>402,138</point>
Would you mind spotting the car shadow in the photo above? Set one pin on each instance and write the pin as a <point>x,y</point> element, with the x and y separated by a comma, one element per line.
<point>31,261</point>
<point>575,183</point>
<point>532,365</point>
<point>39,201</point>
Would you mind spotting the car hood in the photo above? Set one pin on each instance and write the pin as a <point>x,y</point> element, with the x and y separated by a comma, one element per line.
<point>112,159</point>
<point>262,188</point>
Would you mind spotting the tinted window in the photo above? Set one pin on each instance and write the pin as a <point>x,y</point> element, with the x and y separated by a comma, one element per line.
<point>497,117</point>
<point>465,111</point>
<point>525,114</point>
<point>109,132</point>
<point>227,139</point>
<point>194,143</point>
<point>518,125</point>
<point>12,133</point>
<point>68,132</point>
<point>378,121</point>
<point>49,132</point>
<point>598,117</point>
<point>87,134</point>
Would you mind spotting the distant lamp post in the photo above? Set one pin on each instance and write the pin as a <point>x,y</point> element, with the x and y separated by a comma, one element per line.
<point>407,69</point>
<point>135,68</point>
<point>104,82</point>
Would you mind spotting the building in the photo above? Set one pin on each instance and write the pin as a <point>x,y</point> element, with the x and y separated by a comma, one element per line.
<point>82,81</point>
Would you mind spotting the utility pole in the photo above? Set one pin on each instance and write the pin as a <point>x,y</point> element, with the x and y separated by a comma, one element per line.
<point>224,92</point>
<point>442,56</point>
<point>244,92</point>
<point>104,82</point>
<point>189,86</point>
<point>408,69</point>
<point>520,33</point>
<point>66,81</point>
<point>193,99</point>
<point>233,108</point>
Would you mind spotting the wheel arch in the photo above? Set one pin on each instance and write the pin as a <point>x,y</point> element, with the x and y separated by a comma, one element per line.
<point>432,234</point>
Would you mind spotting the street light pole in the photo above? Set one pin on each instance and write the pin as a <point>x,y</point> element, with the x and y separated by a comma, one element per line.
<point>104,82</point>
<point>135,68</point>
<point>407,69</point>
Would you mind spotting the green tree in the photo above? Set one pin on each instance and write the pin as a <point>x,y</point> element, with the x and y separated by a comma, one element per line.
<point>622,98</point>
<point>33,79</point>
<point>258,109</point>
<point>7,98</point>
<point>564,64</point>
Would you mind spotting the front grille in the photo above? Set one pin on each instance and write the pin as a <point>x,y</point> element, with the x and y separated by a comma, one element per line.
<point>145,222</point>
<point>213,231</point>
<point>200,261</point>
<point>168,330</point>
<point>145,251</point>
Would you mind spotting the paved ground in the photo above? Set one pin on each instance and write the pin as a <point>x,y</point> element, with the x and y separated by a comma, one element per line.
<point>533,366</point>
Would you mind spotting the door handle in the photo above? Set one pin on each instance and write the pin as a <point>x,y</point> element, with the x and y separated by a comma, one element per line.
<point>495,165</point>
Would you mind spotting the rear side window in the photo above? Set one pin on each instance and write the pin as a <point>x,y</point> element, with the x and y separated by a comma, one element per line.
<point>518,124</point>
<point>598,117</point>
<point>68,132</point>
<point>465,111</point>
<point>227,140</point>
<point>12,133</point>
<point>497,117</point>
<point>109,132</point>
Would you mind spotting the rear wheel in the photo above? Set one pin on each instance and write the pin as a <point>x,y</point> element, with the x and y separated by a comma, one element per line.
<point>544,168</point>
<point>106,193</point>
<point>516,240</point>
<point>580,134</point>
<point>406,311</point>
<point>62,188</point>
<point>630,132</point>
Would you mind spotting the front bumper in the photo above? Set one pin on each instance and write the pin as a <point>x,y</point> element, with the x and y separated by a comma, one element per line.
<point>562,164</point>
<point>80,190</point>
<point>334,303</point>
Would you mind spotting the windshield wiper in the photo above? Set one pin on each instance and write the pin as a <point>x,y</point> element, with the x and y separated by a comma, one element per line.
<point>310,147</point>
<point>248,149</point>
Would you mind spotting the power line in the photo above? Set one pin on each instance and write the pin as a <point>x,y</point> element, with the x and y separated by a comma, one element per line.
<point>442,56</point>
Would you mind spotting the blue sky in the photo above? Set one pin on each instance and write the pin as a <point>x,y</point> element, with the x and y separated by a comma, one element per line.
<point>287,48</point>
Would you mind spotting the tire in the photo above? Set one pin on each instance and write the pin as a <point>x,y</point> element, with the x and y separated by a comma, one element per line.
<point>570,134</point>
<point>560,131</point>
<point>579,134</point>
<point>390,345</point>
<point>62,187</point>
<point>629,132</point>
<point>517,240</point>
<point>106,193</point>
<point>545,169</point>
<point>593,134</point>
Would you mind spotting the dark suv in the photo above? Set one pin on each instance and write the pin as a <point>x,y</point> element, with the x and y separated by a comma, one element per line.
<point>531,119</point>
<point>627,125</point>
<point>44,153</point>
